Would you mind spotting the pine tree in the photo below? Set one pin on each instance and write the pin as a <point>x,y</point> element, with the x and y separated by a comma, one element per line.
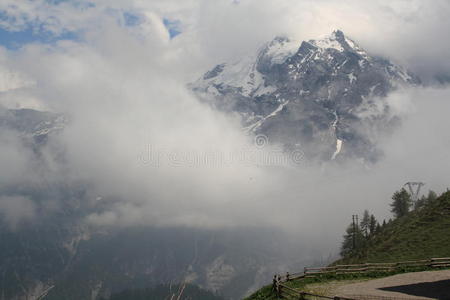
<point>420,203</point>
<point>378,228</point>
<point>365,223</point>
<point>347,244</point>
<point>373,224</point>
<point>354,240</point>
<point>432,196</point>
<point>401,203</point>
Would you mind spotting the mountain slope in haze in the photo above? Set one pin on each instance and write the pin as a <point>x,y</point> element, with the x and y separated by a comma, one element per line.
<point>62,258</point>
<point>58,254</point>
<point>32,124</point>
<point>326,97</point>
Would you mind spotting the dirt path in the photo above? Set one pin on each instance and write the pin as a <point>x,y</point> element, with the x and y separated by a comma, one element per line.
<point>420,285</point>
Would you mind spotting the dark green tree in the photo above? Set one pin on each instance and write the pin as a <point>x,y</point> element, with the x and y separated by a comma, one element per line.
<point>401,203</point>
<point>421,202</point>
<point>373,224</point>
<point>347,244</point>
<point>365,223</point>
<point>378,228</point>
<point>353,241</point>
<point>432,196</point>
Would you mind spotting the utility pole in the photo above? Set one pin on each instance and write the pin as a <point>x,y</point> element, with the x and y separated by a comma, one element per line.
<point>353,231</point>
<point>414,193</point>
<point>354,222</point>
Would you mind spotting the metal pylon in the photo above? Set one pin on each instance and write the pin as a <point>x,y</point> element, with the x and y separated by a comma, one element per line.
<point>414,192</point>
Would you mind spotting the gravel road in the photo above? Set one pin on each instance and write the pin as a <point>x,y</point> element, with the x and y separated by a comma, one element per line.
<point>420,285</point>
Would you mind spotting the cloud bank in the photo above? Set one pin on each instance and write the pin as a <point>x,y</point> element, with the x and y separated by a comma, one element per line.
<point>124,89</point>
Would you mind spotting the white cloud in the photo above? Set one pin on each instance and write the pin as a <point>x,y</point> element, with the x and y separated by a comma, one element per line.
<point>124,89</point>
<point>410,32</point>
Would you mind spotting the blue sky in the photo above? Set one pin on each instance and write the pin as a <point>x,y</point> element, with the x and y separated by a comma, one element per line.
<point>35,33</point>
<point>173,26</point>
<point>15,39</point>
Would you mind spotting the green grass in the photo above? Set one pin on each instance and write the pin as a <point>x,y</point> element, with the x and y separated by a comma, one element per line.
<point>421,234</point>
<point>266,292</point>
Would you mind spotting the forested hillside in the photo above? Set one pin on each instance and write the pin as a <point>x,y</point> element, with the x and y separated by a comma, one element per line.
<point>418,233</point>
<point>418,230</point>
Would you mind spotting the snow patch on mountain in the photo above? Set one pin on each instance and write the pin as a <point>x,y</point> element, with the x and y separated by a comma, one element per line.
<point>313,83</point>
<point>338,149</point>
<point>240,75</point>
<point>280,49</point>
<point>328,42</point>
<point>256,125</point>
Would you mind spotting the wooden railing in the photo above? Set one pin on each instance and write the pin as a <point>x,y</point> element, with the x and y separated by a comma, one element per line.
<point>378,267</point>
<point>284,290</point>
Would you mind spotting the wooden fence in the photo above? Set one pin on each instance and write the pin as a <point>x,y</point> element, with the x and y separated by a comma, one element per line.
<point>283,290</point>
<point>378,267</point>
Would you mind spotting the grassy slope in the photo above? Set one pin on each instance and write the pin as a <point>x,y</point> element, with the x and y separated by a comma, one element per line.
<point>421,234</point>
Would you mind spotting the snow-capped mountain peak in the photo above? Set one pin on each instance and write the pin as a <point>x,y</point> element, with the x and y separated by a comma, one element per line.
<point>339,41</point>
<point>333,41</point>
<point>326,95</point>
<point>279,49</point>
<point>243,74</point>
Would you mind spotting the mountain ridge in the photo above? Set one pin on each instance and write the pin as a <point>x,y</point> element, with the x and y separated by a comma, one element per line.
<point>324,97</point>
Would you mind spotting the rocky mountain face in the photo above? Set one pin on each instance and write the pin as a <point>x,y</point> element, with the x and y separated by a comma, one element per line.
<point>62,259</point>
<point>32,124</point>
<point>325,97</point>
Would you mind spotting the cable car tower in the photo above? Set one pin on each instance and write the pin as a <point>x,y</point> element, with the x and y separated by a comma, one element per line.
<point>414,189</point>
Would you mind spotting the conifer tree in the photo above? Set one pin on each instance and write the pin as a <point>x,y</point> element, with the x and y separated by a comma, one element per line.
<point>354,240</point>
<point>378,228</point>
<point>432,196</point>
<point>420,203</point>
<point>401,203</point>
<point>347,244</point>
<point>365,223</point>
<point>373,224</point>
